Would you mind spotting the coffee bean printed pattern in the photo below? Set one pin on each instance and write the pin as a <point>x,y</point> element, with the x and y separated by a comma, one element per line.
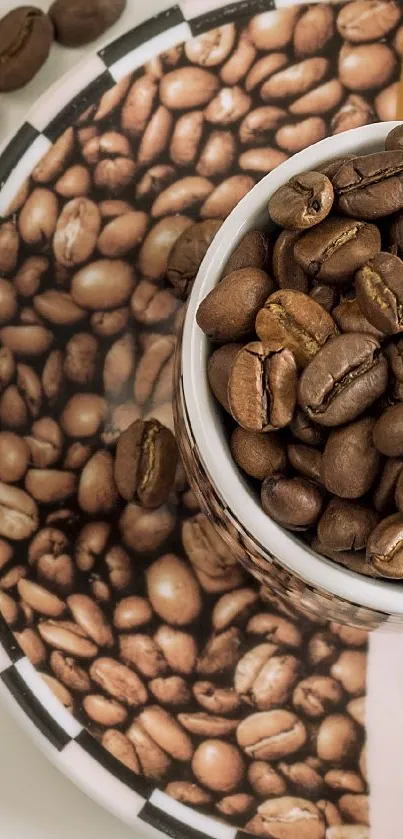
<point>219,693</point>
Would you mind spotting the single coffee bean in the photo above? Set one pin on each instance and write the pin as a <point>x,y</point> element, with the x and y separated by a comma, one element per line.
<point>97,492</point>
<point>157,246</point>
<point>45,442</point>
<point>226,196</point>
<point>187,87</point>
<point>384,494</point>
<point>182,195</point>
<point>19,517</point>
<point>173,591</point>
<point>253,251</point>
<point>270,735</point>
<point>259,455</point>
<point>388,431</point>
<point>346,526</point>
<point>228,312</point>
<point>371,186</point>
<point>303,202</point>
<point>292,319</point>
<point>337,738</point>
<point>261,160</point>
<point>105,284</point>
<point>295,503</point>
<point>364,67</point>
<point>83,414</point>
<point>287,272</point>
<point>394,140</point>
<point>218,765</point>
<point>358,22</point>
<point>286,816</point>
<point>188,252</point>
<point>337,248</point>
<point>306,431</point>
<point>146,460</point>
<point>316,696</point>
<point>26,35</point>
<point>38,217</point>
<point>186,138</point>
<point>343,379</point>
<point>294,80</point>
<point>123,233</point>
<point>327,296</point>
<point>74,183</point>
<point>385,547</point>
<point>306,460</point>
<point>74,28</point>
<point>262,387</point>
<point>212,47</point>
<point>379,288</point>
<point>350,318</point>
<point>14,457</point>
<point>384,104</point>
<point>350,459</point>
<point>218,372</point>
<point>257,126</point>
<point>217,155</point>
<point>228,106</point>
<point>355,112</point>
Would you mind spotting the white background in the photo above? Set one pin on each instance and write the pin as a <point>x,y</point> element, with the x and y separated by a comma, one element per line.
<point>36,800</point>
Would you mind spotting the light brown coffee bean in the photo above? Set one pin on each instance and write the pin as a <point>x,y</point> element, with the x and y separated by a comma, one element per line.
<point>142,653</point>
<point>342,779</point>
<point>119,566</point>
<point>286,816</point>
<point>261,159</point>
<point>230,105</point>
<point>26,340</point>
<point>52,376</point>
<point>366,66</point>
<point>313,30</point>
<point>154,372</point>
<point>50,485</point>
<point>337,739</point>
<point>58,308</point>
<point>8,301</point>
<point>123,233</point>
<point>173,590</point>
<point>172,690</point>
<point>28,278</point>
<point>239,62</point>
<point>45,442</point>
<point>18,513</point>
<point>218,765</point>
<point>121,748</point>
<point>81,358</point>
<point>132,612</point>
<point>146,530</point>
<point>296,136</point>
<point>32,645</point>
<point>187,87</point>
<point>67,637</point>
<point>217,155</point>
<point>179,649</point>
<point>212,47</point>
<point>188,793</point>
<point>359,22</point>
<point>320,100</point>
<point>74,183</point>
<point>9,246</point>
<point>205,548</point>
<point>354,112</point>
<point>295,80</point>
<point>186,138</point>
<point>264,68</point>
<point>118,365</point>
<point>166,732</point>
<point>97,491</point>
<point>264,779</point>
<point>273,30</point>
<point>83,414</point>
<point>315,696</point>
<point>108,324</point>
<point>182,195</point>
<point>271,734</point>
<point>355,807</point>
<point>257,126</point>
<point>303,777</point>
<point>59,691</point>
<point>226,196</point>
<point>385,102</point>
<point>138,105</point>
<point>14,457</point>
<point>104,711</point>
<point>156,136</point>
<point>155,763</point>
<point>264,679</point>
<point>55,159</point>
<point>350,670</point>
<point>155,180</point>
<point>221,653</point>
<point>40,599</point>
<point>276,629</point>
<point>104,284</point>
<point>38,217</point>
<point>91,618</point>
<point>119,681</point>
<point>151,305</point>
<point>232,608</point>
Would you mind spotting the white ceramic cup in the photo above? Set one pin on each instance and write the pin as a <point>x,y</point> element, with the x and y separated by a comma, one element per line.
<point>204,418</point>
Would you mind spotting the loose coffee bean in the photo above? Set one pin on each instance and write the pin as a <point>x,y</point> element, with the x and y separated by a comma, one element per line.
<point>287,815</point>
<point>370,186</point>
<point>295,503</point>
<point>350,318</point>
<point>366,66</point>
<point>228,312</point>
<point>146,461</point>
<point>218,372</point>
<point>259,455</point>
<point>350,459</point>
<point>262,387</point>
<point>358,22</point>
<point>384,494</point>
<point>336,249</point>
<point>343,379</point>
<point>292,319</point>
<point>74,28</point>
<point>379,287</point>
<point>346,526</point>
<point>306,460</point>
<point>26,35</point>
<point>384,547</point>
<point>388,431</point>
<point>270,735</point>
<point>287,272</point>
<point>305,201</point>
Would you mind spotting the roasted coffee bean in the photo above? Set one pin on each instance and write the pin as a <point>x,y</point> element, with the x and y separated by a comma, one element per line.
<point>370,186</point>
<point>173,591</point>
<point>188,252</point>
<point>359,22</point>
<point>379,288</point>
<point>219,369</point>
<point>337,739</point>
<point>97,491</point>
<point>157,246</point>
<point>343,379</point>
<point>384,547</point>
<point>287,272</point>
<point>228,312</point>
<point>295,503</point>
<point>394,140</point>
<point>253,251</point>
<point>226,196</point>
<point>388,431</point>
<point>303,202</point>
<point>270,735</point>
<point>350,318</point>
<point>262,387</point>
<point>306,431</point>
<point>346,526</point>
<point>286,816</point>
<point>104,284</point>
<point>337,248</point>
<point>218,765</point>
<point>259,455</point>
<point>306,460</point>
<point>26,35</point>
<point>74,28</point>
<point>292,319</point>
<point>350,460</point>
<point>146,460</point>
<point>384,493</point>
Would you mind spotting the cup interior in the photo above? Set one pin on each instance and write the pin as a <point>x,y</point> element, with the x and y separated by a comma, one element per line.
<point>204,414</point>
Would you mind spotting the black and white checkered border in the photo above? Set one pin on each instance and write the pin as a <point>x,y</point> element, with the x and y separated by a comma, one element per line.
<point>57,732</point>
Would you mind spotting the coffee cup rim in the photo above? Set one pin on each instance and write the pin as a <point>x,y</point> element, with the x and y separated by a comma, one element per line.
<point>203,413</point>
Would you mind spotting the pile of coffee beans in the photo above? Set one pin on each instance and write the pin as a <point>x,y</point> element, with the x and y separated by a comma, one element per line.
<point>27,33</point>
<point>309,320</point>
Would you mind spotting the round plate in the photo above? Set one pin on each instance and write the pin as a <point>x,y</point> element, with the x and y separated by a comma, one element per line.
<point>179,749</point>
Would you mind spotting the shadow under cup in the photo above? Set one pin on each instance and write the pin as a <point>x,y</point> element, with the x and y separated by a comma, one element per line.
<point>287,568</point>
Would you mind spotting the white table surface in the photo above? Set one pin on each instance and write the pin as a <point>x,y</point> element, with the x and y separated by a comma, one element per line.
<point>36,800</point>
